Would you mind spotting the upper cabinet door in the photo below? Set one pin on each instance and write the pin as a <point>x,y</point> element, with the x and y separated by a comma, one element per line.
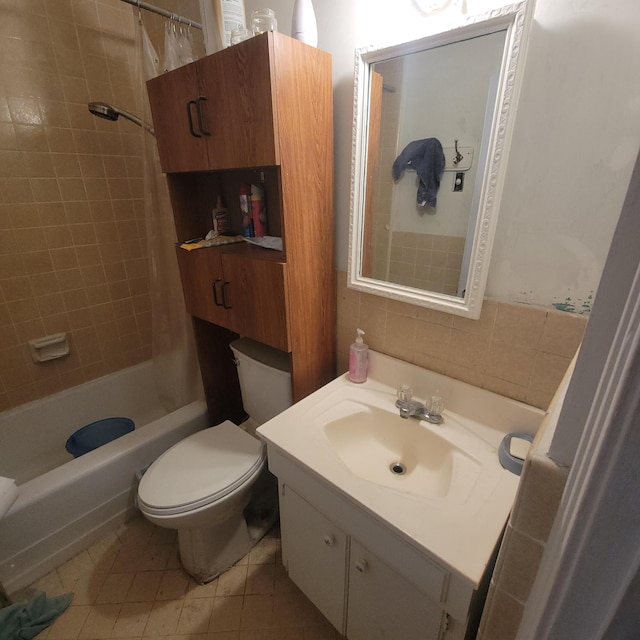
<point>172,97</point>
<point>239,110</point>
<point>218,112</point>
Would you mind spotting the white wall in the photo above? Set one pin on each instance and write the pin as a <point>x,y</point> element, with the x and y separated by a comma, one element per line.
<point>576,136</point>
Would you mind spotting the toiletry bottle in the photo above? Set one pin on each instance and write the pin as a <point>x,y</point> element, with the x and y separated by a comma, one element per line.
<point>258,212</point>
<point>245,210</point>
<point>358,359</point>
<point>220,217</point>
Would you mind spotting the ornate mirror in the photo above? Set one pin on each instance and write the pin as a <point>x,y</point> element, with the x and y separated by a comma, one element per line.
<point>432,127</point>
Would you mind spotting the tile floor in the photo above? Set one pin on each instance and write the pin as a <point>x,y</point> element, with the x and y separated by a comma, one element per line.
<point>130,585</point>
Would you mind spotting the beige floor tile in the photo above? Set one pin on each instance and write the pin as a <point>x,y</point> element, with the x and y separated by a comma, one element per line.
<point>104,552</point>
<point>264,552</point>
<point>114,588</point>
<point>226,613</point>
<point>260,579</point>
<point>163,618</point>
<point>196,590</point>
<point>69,624</point>
<point>144,586</point>
<point>173,585</point>
<point>257,612</point>
<point>100,622</point>
<point>132,620</point>
<point>232,582</point>
<point>75,568</point>
<point>195,616</point>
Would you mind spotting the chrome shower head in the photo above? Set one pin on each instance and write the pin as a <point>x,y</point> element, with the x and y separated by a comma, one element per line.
<point>109,112</point>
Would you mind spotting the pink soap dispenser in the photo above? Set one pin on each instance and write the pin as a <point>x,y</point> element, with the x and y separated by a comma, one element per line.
<point>358,359</point>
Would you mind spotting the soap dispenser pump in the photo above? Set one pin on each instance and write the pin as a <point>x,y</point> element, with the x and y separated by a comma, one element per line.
<point>358,359</point>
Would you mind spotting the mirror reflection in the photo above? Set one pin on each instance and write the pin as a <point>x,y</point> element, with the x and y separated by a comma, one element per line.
<point>432,115</point>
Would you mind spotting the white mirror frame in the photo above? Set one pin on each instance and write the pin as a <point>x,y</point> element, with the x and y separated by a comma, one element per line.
<point>515,19</point>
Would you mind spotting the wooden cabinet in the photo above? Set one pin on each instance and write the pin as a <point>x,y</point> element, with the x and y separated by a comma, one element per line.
<point>218,112</point>
<point>258,112</point>
<point>360,594</point>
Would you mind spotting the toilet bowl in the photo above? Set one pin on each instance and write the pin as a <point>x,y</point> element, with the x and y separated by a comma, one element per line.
<point>213,487</point>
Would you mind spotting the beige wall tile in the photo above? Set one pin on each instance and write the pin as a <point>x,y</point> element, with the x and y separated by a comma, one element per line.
<point>510,362</point>
<point>519,324</point>
<point>548,371</point>
<point>518,563</point>
<point>562,334</point>
<point>541,487</point>
<point>503,618</point>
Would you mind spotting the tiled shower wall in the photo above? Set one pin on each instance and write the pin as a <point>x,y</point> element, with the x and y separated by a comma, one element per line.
<point>516,350</point>
<point>72,232</point>
<point>72,250</point>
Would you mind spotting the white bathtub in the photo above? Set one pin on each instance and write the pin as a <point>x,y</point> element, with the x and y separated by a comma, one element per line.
<point>64,504</point>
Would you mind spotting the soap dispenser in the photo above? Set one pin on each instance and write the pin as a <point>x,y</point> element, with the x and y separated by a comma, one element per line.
<point>358,359</point>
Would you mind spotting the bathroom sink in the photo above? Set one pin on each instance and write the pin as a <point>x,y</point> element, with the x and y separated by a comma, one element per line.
<point>403,454</point>
<point>439,487</point>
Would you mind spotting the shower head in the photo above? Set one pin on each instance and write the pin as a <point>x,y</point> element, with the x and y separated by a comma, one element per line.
<point>109,112</point>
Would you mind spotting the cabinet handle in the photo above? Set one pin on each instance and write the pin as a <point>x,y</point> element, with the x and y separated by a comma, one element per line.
<point>191,129</point>
<point>362,566</point>
<point>214,286</point>
<point>329,540</point>
<point>200,118</point>
<point>224,296</point>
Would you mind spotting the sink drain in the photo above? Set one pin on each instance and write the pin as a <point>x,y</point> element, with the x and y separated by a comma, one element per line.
<point>398,468</point>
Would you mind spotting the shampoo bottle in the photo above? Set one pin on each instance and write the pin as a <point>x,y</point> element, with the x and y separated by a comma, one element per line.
<point>358,359</point>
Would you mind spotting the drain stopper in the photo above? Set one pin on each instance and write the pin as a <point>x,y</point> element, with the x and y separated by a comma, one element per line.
<point>398,468</point>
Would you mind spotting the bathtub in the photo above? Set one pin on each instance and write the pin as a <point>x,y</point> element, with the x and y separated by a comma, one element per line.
<point>64,505</point>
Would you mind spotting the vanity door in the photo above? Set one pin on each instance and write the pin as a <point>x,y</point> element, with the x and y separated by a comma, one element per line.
<point>314,552</point>
<point>383,604</point>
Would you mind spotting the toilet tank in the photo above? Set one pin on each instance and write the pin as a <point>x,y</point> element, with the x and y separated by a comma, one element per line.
<point>265,378</point>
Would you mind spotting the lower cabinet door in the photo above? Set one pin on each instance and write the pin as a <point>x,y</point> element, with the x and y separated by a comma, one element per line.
<point>314,551</point>
<point>383,605</point>
<point>256,293</point>
<point>202,284</point>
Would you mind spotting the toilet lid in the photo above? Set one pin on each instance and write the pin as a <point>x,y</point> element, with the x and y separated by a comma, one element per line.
<point>200,469</point>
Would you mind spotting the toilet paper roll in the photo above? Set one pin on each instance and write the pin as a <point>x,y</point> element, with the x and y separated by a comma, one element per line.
<point>8,494</point>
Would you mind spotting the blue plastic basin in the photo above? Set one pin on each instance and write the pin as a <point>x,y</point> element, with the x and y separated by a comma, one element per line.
<point>94,435</point>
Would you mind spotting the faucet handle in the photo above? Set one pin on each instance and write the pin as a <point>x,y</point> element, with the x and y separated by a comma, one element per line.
<point>404,393</point>
<point>435,406</point>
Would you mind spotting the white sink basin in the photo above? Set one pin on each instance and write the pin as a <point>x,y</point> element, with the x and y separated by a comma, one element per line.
<point>452,499</point>
<point>403,454</point>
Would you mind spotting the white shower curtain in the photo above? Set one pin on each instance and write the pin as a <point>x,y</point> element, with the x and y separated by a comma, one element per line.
<point>173,349</point>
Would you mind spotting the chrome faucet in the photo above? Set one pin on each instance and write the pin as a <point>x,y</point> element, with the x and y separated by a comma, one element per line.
<point>413,409</point>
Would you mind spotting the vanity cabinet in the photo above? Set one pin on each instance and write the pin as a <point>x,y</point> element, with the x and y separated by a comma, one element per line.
<point>364,597</point>
<point>259,112</point>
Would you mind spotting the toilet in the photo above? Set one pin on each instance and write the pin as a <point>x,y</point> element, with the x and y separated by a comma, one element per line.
<point>214,487</point>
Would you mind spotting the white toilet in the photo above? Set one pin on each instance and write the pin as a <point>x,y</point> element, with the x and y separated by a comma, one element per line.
<point>214,486</point>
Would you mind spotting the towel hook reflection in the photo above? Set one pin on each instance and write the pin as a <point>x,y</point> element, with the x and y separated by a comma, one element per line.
<point>458,156</point>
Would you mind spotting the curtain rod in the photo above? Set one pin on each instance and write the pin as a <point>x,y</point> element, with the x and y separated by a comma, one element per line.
<point>163,12</point>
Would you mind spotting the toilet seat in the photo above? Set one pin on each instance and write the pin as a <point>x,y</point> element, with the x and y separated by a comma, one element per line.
<point>201,469</point>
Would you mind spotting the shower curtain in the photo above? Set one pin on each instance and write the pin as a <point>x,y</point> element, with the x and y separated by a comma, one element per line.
<point>173,349</point>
